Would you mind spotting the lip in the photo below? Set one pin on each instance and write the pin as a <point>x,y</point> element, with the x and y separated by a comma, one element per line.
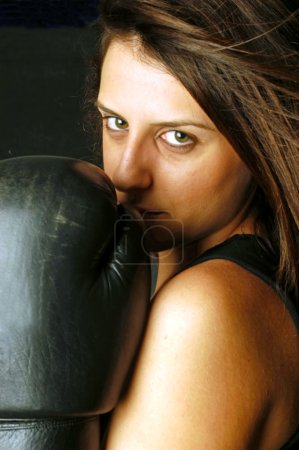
<point>147,213</point>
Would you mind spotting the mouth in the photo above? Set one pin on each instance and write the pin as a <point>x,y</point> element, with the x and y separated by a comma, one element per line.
<point>150,214</point>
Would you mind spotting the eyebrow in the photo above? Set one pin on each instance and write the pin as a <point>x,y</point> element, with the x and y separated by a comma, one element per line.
<point>171,124</point>
<point>103,108</point>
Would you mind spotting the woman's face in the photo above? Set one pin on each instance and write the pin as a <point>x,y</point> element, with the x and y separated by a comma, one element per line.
<point>165,156</point>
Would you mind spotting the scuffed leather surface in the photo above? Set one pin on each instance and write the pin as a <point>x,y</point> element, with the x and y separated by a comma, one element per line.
<point>73,293</point>
<point>54,434</point>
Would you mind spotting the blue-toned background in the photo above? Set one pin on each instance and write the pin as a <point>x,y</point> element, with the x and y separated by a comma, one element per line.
<point>45,48</point>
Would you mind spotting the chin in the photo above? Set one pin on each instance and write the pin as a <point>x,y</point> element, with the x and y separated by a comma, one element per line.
<point>160,238</point>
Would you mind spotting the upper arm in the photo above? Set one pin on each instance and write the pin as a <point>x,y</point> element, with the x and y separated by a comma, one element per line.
<point>189,390</point>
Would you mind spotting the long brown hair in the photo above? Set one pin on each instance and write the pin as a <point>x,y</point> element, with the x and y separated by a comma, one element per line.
<point>239,60</point>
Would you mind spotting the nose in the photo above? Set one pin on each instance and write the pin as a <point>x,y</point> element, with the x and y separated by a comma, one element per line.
<point>133,170</point>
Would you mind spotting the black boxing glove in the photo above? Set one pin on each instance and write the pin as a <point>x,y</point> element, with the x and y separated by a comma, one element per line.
<point>74,294</point>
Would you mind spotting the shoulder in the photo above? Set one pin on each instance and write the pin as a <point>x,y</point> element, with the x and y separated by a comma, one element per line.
<point>219,306</point>
<point>215,309</point>
<point>212,292</point>
<point>211,309</point>
<point>190,372</point>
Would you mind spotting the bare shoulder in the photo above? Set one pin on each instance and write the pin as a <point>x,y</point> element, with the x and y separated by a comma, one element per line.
<point>216,298</point>
<point>204,376</point>
<point>222,292</point>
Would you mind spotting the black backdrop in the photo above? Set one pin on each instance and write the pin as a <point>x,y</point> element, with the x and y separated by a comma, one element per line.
<point>45,47</point>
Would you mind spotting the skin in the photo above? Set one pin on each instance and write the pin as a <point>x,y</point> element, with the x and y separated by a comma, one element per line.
<point>145,157</point>
<point>206,329</point>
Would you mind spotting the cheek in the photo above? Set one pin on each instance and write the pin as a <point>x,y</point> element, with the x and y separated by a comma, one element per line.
<point>236,183</point>
<point>211,196</point>
<point>105,154</point>
<point>109,157</point>
<point>226,175</point>
<point>228,193</point>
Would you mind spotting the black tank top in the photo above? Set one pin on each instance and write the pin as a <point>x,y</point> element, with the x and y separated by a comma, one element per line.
<point>253,254</point>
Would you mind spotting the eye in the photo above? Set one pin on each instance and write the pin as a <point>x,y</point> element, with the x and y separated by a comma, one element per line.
<point>177,138</point>
<point>115,123</point>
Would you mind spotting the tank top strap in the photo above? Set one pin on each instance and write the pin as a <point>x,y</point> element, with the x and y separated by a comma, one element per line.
<point>293,443</point>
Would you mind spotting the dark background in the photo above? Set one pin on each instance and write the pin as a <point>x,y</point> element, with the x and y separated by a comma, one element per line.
<point>45,49</point>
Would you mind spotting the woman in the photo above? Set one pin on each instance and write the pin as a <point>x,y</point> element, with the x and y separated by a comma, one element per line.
<point>198,107</point>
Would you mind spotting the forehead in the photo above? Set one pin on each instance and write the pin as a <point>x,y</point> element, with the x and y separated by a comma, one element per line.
<point>125,66</point>
<point>132,81</point>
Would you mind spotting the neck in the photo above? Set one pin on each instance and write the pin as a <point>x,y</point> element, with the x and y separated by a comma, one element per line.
<point>172,261</point>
